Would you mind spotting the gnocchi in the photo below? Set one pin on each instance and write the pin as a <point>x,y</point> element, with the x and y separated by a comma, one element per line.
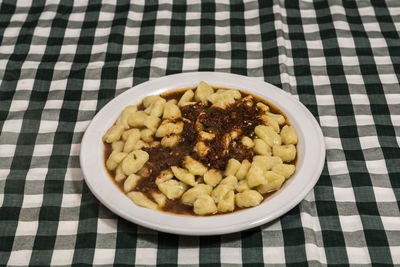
<point>134,161</point>
<point>141,200</point>
<point>190,196</point>
<point>182,150</point>
<point>155,106</point>
<point>131,140</point>
<point>285,152</point>
<point>126,113</point>
<point>137,119</point>
<point>168,128</point>
<point>242,186</point>
<point>232,167</point>
<point>170,141</point>
<point>117,146</point>
<point>261,147</point>
<point>119,174</point>
<point>212,177</point>
<point>204,205</point>
<point>247,142</point>
<point>131,182</point>
<point>203,91</point>
<point>244,168</point>
<point>114,159</point>
<point>248,198</point>
<point>183,175</point>
<point>195,167</point>
<point>114,133</point>
<point>268,134</point>
<point>273,181</point>
<point>227,203</point>
<point>172,189</point>
<point>171,111</point>
<point>186,98</point>
<point>288,135</point>
<point>219,192</point>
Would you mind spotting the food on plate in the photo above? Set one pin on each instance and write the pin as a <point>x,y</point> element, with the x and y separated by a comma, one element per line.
<point>200,151</point>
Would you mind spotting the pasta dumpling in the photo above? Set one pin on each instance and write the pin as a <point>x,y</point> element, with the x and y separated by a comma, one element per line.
<point>247,142</point>
<point>167,128</point>
<point>146,135</point>
<point>242,186</point>
<point>223,98</point>
<point>278,117</point>
<point>137,119</point>
<point>114,159</point>
<point>165,175</point>
<point>244,168</point>
<point>172,189</point>
<point>117,146</point>
<point>156,108</point>
<point>204,205</point>
<point>285,170</point>
<point>123,118</point>
<point>141,200</point>
<point>160,198</point>
<point>193,193</point>
<point>126,133</point>
<point>149,100</point>
<point>255,175</point>
<point>171,111</point>
<point>232,167</point>
<point>262,107</point>
<point>131,141</point>
<point>152,122</point>
<point>231,181</point>
<point>288,135</point>
<point>272,182</point>
<point>212,177</point>
<point>195,167</point>
<point>134,161</point>
<point>266,162</point>
<point>170,140</point>
<point>186,98</point>
<point>248,198</point>
<point>285,152</point>
<point>219,192</point>
<point>272,122</point>
<point>131,182</point>
<point>268,134</point>
<point>119,174</point>
<point>183,175</point>
<point>261,147</point>
<point>203,91</point>
<point>227,203</point>
<point>114,133</point>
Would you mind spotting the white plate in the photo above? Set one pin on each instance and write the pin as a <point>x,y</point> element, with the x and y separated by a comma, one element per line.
<point>311,156</point>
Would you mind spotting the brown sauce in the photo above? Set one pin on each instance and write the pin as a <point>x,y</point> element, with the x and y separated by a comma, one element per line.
<point>237,116</point>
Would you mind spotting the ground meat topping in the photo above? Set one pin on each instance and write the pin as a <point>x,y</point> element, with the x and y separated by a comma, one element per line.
<point>237,116</point>
<point>217,121</point>
<point>192,112</point>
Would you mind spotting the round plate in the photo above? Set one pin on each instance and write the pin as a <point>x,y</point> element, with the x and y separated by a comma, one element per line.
<point>311,156</point>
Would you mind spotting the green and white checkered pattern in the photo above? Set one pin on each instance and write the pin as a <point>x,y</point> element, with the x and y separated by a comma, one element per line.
<point>60,62</point>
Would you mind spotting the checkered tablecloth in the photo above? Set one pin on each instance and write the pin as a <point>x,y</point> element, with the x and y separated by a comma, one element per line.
<point>60,62</point>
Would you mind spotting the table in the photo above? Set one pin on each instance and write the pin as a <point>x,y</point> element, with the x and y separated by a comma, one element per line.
<point>62,61</point>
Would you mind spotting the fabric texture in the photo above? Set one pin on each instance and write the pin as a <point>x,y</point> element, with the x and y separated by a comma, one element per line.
<point>61,62</point>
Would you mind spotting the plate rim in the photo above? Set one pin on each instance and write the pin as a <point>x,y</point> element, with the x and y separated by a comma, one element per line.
<point>191,229</point>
